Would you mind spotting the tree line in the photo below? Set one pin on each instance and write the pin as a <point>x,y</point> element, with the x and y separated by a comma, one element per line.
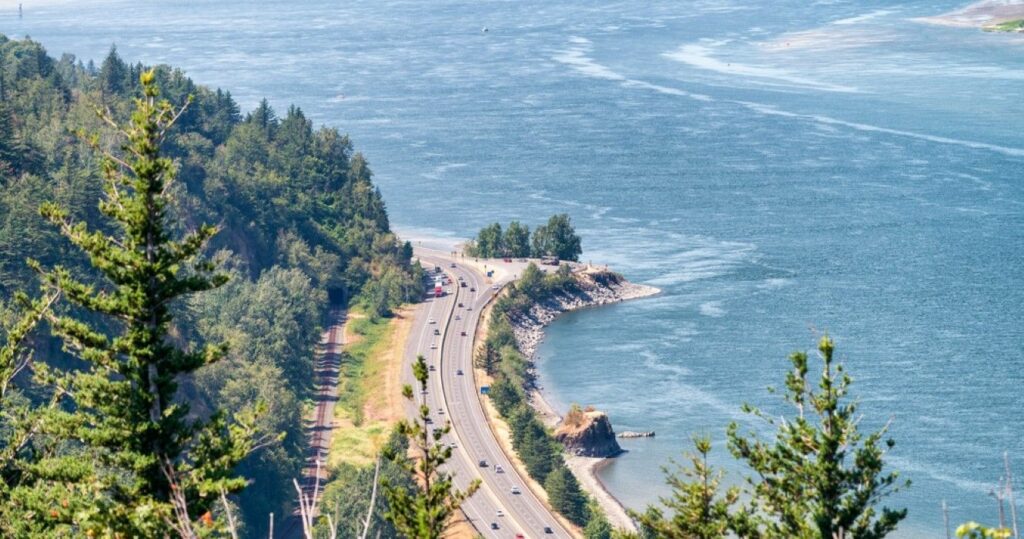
<point>532,440</point>
<point>556,238</point>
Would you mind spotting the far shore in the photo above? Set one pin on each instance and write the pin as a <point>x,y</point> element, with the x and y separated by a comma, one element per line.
<point>983,14</point>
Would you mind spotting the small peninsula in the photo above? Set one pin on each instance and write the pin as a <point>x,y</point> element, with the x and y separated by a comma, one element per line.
<point>989,15</point>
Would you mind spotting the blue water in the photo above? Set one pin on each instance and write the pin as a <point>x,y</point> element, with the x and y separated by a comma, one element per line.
<point>778,168</point>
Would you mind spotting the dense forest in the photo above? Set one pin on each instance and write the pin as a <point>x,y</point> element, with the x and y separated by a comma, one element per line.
<point>299,225</point>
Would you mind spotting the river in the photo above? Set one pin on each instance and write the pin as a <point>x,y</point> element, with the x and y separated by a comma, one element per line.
<point>779,168</point>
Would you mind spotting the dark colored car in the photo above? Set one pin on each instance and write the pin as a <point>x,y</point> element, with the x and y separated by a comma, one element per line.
<point>547,529</point>
<point>494,525</point>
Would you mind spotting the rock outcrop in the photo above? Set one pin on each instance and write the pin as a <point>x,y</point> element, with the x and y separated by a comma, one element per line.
<point>588,434</point>
<point>632,434</point>
<point>593,287</point>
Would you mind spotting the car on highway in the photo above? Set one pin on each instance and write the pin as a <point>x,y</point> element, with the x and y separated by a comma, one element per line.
<point>547,529</point>
<point>432,368</point>
<point>472,289</point>
<point>500,513</point>
<point>494,525</point>
<point>428,420</point>
<point>463,284</point>
<point>463,333</point>
<point>460,304</point>
<point>520,536</point>
<point>457,317</point>
<point>499,469</point>
<point>453,264</point>
<point>469,307</point>
<point>496,287</point>
<point>515,490</point>
<point>431,321</point>
<point>483,463</point>
<point>437,331</point>
<point>433,346</point>
<point>459,372</point>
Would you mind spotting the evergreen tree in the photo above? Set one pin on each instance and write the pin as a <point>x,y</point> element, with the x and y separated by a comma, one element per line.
<point>597,526</point>
<point>158,468</point>
<point>427,513</point>
<point>113,77</point>
<point>821,478</point>
<point>697,511</point>
<point>560,239</point>
<point>517,240</point>
<point>565,495</point>
<point>490,243</point>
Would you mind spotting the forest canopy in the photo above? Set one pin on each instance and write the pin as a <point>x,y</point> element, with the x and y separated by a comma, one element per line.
<point>300,227</point>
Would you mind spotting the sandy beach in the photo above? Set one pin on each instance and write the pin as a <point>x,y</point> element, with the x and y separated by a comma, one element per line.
<point>979,14</point>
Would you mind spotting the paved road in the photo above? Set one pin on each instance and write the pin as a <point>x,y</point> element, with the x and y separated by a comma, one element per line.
<point>452,397</point>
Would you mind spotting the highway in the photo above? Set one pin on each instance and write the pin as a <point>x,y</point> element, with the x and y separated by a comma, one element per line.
<point>452,397</point>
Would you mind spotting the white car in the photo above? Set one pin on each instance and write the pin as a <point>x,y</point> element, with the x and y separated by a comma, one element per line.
<point>500,513</point>
<point>431,321</point>
<point>433,346</point>
<point>496,287</point>
<point>515,490</point>
<point>457,317</point>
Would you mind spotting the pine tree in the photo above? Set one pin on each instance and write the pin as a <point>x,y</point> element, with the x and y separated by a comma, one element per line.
<point>821,478</point>
<point>158,468</point>
<point>697,510</point>
<point>426,513</point>
<point>565,495</point>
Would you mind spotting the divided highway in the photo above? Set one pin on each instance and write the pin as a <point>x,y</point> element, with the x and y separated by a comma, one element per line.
<point>443,333</point>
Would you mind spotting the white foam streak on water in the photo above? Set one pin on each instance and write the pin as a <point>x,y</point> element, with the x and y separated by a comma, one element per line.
<point>699,56</point>
<point>826,120</point>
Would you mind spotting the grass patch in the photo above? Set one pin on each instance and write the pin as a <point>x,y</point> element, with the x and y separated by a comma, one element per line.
<point>362,362</point>
<point>357,445</point>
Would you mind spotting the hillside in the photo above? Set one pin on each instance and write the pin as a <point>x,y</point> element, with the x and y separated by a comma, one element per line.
<point>301,226</point>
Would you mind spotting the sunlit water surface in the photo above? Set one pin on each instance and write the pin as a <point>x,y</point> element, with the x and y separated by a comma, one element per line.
<point>778,168</point>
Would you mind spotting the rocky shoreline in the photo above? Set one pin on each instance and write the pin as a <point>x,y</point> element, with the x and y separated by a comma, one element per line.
<point>595,287</point>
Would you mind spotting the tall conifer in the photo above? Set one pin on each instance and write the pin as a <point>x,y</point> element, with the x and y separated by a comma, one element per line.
<point>158,468</point>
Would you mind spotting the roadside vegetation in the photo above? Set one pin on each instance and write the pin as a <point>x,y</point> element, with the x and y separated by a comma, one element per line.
<point>556,238</point>
<point>532,440</point>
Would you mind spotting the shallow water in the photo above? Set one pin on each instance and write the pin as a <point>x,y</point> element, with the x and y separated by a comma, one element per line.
<point>777,168</point>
